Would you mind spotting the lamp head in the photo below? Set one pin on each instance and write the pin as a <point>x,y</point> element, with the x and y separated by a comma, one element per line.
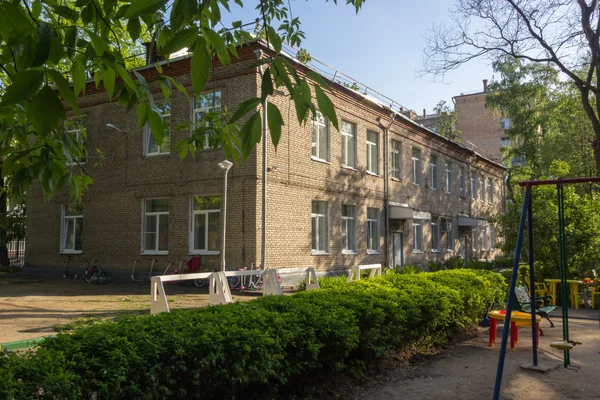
<point>112,126</point>
<point>225,165</point>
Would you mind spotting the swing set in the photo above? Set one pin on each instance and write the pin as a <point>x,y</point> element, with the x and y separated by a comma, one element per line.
<point>527,214</point>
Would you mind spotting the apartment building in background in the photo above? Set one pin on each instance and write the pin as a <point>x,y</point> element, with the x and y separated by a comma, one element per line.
<point>381,189</point>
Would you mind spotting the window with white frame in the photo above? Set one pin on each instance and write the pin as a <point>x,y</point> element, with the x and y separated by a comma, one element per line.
<point>490,191</point>
<point>373,230</point>
<point>151,145</point>
<point>72,229</point>
<point>205,237</point>
<point>463,182</point>
<point>75,130</point>
<point>373,152</point>
<point>435,234</point>
<point>320,229</point>
<point>449,236</point>
<point>505,142</point>
<point>320,137</point>
<point>348,130</point>
<point>433,172</point>
<point>484,238</point>
<point>505,123</point>
<point>155,237</point>
<point>396,159</point>
<point>482,188</point>
<point>449,178</point>
<point>417,236</point>
<point>202,107</point>
<point>492,237</point>
<point>349,228</point>
<point>473,186</point>
<point>474,238</point>
<point>416,166</point>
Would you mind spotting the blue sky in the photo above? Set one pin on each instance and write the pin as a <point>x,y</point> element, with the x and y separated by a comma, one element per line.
<point>381,46</point>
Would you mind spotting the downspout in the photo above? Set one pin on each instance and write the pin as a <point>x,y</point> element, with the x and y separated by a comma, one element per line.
<point>386,187</point>
<point>263,249</point>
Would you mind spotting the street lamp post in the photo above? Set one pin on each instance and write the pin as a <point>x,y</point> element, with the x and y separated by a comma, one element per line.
<point>225,166</point>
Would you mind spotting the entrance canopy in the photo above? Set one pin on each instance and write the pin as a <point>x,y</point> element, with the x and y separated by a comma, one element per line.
<point>467,221</point>
<point>400,211</point>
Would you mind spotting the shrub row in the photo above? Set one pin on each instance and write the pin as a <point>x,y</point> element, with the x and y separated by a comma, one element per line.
<point>254,349</point>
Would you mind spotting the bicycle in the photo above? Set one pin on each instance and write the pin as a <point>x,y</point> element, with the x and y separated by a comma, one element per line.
<point>93,273</point>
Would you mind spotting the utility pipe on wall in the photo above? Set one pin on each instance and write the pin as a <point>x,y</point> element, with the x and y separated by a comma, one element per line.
<point>263,255</point>
<point>386,186</point>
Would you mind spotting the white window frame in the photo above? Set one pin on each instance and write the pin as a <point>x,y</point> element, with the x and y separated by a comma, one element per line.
<point>474,239</point>
<point>505,124</point>
<point>167,139</point>
<point>449,178</point>
<point>490,191</point>
<point>450,237</point>
<point>417,236</point>
<point>63,230</point>
<point>484,238</point>
<point>370,146</point>
<point>72,127</point>
<point>320,218</point>
<point>435,234</point>
<point>157,216</point>
<point>373,226</point>
<point>463,182</point>
<point>482,188</point>
<point>205,110</point>
<point>345,234</point>
<point>416,166</point>
<point>316,143</point>
<point>433,172</point>
<point>396,159</point>
<point>192,238</point>
<point>505,141</point>
<point>347,139</point>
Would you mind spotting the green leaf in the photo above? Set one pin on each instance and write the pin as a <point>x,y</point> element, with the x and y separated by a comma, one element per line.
<point>70,40</point>
<point>8,165</point>
<point>182,13</point>
<point>126,78</point>
<point>78,76</point>
<point>139,7</point>
<point>25,85</point>
<point>134,28</point>
<point>200,66</point>
<point>250,134</point>
<point>87,14</point>
<point>266,84</point>
<point>181,39</point>
<point>274,39</point>
<point>217,42</point>
<point>319,79</point>
<point>108,79</point>
<point>66,12</point>
<point>275,122</point>
<point>179,87</point>
<point>36,9</point>
<point>142,112</point>
<point>326,106</point>
<point>244,109</point>
<point>42,47</point>
<point>14,23</point>
<point>65,89</point>
<point>100,45</point>
<point>157,125</point>
<point>46,110</point>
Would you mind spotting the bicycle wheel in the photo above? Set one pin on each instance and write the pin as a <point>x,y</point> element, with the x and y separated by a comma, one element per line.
<point>200,283</point>
<point>234,281</point>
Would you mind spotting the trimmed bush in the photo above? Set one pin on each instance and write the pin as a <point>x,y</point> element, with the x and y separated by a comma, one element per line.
<point>254,349</point>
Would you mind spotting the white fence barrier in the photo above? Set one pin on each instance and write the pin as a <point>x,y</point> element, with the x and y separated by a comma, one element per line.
<point>354,273</point>
<point>311,279</point>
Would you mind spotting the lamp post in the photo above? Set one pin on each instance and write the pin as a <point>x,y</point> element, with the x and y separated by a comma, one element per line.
<point>225,166</point>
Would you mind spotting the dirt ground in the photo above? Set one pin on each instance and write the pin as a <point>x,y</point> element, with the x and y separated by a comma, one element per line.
<point>468,370</point>
<point>32,307</point>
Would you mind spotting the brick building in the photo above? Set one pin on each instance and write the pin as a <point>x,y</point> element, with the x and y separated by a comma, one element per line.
<point>329,204</point>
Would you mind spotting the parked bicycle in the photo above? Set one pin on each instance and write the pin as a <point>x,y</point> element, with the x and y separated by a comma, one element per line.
<point>93,273</point>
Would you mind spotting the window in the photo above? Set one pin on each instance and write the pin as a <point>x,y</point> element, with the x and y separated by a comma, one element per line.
<point>152,147</point>
<point>320,230</point>
<point>373,152</point>
<point>463,182</point>
<point>433,175</point>
<point>484,238</point>
<point>505,142</point>
<point>417,236</point>
<point>396,159</point>
<point>449,178</point>
<point>72,229</point>
<point>155,226</point>
<point>482,191</point>
<point>449,236</point>
<point>373,230</point>
<point>349,228</point>
<point>203,105</point>
<point>320,137</point>
<point>490,190</point>
<point>75,131</point>
<point>348,144</point>
<point>416,166</point>
<point>492,237</point>
<point>505,123</point>
<point>205,237</point>
<point>474,238</point>
<point>473,186</point>
<point>435,234</point>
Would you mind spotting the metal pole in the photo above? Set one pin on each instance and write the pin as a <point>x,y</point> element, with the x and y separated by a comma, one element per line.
<point>563,270</point>
<point>511,294</point>
<point>532,280</point>
<point>264,187</point>
<point>224,223</point>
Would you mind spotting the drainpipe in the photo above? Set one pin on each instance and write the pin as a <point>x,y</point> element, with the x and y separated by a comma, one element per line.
<point>263,255</point>
<point>386,187</point>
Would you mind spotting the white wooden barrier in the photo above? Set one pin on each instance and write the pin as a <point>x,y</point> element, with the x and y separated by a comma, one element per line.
<point>311,280</point>
<point>354,273</point>
<point>218,290</point>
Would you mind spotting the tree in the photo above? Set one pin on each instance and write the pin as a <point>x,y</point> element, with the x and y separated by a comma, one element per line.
<point>49,48</point>
<point>562,34</point>
<point>445,123</point>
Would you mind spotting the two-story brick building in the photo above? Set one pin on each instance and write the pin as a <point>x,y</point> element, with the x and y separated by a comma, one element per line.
<point>382,189</point>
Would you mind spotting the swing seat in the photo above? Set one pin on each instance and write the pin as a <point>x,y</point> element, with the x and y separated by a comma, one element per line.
<point>564,345</point>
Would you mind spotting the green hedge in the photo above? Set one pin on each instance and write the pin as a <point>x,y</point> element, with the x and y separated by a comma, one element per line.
<point>254,349</point>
